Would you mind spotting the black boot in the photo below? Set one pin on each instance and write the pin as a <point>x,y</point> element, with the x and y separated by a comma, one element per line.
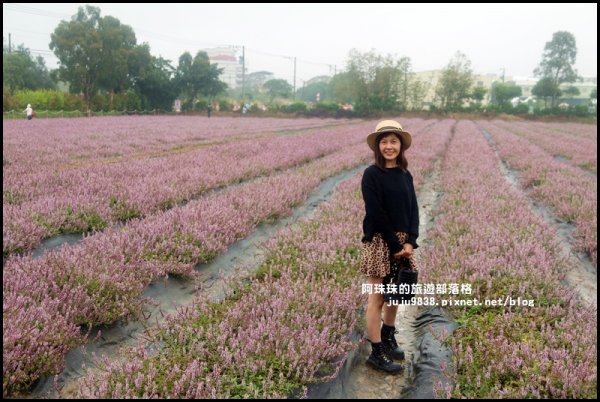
<point>380,360</point>
<point>390,346</point>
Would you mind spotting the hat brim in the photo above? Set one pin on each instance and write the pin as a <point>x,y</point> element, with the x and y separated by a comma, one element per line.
<point>405,137</point>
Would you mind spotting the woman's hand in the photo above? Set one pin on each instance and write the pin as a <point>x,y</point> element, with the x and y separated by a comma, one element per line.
<point>407,251</point>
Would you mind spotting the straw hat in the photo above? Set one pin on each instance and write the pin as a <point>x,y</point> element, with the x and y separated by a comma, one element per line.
<point>389,126</point>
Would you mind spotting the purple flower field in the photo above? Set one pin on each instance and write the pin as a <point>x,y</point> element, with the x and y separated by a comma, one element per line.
<point>192,187</point>
<point>568,190</point>
<point>77,199</point>
<point>485,235</point>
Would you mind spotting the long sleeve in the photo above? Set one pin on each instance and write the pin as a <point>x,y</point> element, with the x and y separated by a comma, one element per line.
<point>372,196</point>
<point>413,233</point>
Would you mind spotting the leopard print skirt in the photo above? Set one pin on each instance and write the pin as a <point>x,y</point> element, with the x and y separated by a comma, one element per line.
<point>375,256</point>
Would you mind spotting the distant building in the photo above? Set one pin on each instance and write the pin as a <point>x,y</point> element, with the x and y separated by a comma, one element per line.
<point>585,88</point>
<point>526,84</point>
<point>486,81</point>
<point>226,58</point>
<point>430,79</point>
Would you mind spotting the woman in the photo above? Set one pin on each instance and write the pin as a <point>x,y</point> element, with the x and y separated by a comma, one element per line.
<point>391,228</point>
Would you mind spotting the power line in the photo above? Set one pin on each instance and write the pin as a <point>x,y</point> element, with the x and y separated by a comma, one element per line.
<point>41,51</point>
<point>33,11</point>
<point>288,57</point>
<point>11,28</point>
<point>158,36</point>
<point>174,39</point>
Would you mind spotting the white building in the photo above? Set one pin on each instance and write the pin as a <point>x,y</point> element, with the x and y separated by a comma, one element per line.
<point>226,58</point>
<point>526,84</point>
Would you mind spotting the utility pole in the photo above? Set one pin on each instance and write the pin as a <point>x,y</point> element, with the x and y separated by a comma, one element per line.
<point>243,72</point>
<point>294,95</point>
<point>405,87</point>
<point>503,75</point>
<point>334,68</point>
<point>9,42</point>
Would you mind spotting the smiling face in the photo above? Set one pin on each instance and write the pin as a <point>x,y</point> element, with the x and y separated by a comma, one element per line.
<point>389,146</point>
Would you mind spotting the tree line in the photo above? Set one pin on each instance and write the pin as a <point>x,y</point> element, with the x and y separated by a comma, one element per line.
<point>102,64</point>
<point>99,55</point>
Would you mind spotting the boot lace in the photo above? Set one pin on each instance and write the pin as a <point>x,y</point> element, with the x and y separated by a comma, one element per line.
<point>392,339</point>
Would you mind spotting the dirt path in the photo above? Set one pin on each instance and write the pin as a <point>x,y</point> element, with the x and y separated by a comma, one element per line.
<point>375,384</point>
<point>356,380</point>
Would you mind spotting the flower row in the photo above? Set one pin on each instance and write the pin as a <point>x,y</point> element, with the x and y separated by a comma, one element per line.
<point>578,150</point>
<point>289,327</point>
<point>99,280</point>
<point>94,197</point>
<point>570,192</point>
<point>486,235</point>
<point>31,146</point>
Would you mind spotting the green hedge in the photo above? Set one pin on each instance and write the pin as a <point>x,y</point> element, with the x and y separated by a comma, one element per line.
<point>53,100</point>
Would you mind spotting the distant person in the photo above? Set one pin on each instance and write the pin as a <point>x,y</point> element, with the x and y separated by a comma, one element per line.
<point>29,112</point>
<point>391,228</point>
<point>209,110</point>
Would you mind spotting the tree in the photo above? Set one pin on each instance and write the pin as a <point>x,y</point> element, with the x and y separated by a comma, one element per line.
<point>417,92</point>
<point>278,88</point>
<point>571,91</point>
<point>316,85</point>
<point>558,60</point>
<point>153,81</point>
<point>546,88</point>
<point>253,84</point>
<point>502,93</point>
<point>93,52</point>
<point>346,87</point>
<point>455,83</point>
<point>198,77</point>
<point>404,67</point>
<point>477,94</point>
<point>21,71</point>
<point>594,94</point>
<point>373,82</point>
<point>118,44</point>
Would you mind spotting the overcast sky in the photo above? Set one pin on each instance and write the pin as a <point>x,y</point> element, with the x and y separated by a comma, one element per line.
<point>494,37</point>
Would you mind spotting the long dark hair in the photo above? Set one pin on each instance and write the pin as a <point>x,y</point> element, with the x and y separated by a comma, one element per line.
<point>380,159</point>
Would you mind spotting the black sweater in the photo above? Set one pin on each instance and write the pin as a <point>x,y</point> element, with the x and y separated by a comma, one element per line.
<point>391,206</point>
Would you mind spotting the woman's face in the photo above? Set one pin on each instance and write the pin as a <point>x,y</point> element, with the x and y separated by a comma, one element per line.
<point>390,147</point>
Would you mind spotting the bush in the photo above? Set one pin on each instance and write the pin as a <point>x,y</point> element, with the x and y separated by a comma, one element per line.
<point>72,102</point>
<point>323,109</point>
<point>520,109</point>
<point>9,102</point>
<point>98,102</point>
<point>127,101</point>
<point>225,105</point>
<point>201,105</point>
<point>255,108</point>
<point>505,107</point>
<point>274,107</point>
<point>296,107</point>
<point>473,108</point>
<point>581,110</point>
<point>326,107</point>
